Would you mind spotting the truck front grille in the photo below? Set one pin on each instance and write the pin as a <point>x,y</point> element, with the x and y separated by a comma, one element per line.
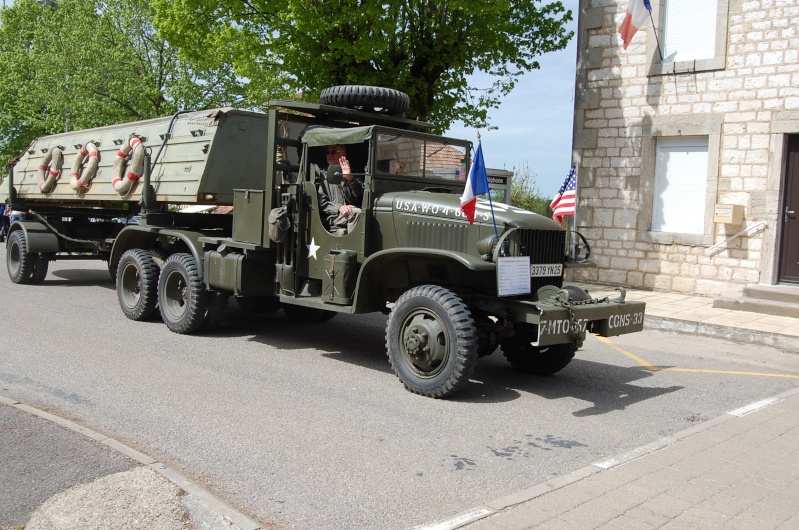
<point>543,247</point>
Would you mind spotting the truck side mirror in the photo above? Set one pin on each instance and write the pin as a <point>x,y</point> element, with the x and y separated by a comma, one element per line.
<point>334,175</point>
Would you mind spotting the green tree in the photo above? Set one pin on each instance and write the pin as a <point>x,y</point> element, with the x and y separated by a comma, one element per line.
<point>525,194</point>
<point>427,48</point>
<point>86,63</point>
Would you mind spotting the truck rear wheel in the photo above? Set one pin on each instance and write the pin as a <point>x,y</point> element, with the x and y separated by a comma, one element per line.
<point>41,262</point>
<point>431,341</point>
<point>18,260</point>
<point>182,297</point>
<point>545,360</point>
<point>137,284</point>
<point>216,314</point>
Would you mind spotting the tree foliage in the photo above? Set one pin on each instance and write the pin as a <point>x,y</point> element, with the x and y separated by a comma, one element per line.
<point>427,48</point>
<point>525,194</point>
<point>86,63</point>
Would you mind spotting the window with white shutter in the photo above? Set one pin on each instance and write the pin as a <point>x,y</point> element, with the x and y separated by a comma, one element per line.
<point>690,30</point>
<point>691,36</point>
<point>680,191</point>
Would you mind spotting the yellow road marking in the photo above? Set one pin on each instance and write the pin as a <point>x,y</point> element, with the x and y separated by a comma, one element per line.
<point>653,368</point>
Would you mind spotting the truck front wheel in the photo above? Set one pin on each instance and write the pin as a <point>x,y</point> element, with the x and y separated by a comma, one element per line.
<point>137,284</point>
<point>18,260</point>
<point>431,341</point>
<point>182,297</point>
<point>546,360</point>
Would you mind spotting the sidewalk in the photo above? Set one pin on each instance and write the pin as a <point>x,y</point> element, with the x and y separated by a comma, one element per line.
<point>695,314</point>
<point>739,470</point>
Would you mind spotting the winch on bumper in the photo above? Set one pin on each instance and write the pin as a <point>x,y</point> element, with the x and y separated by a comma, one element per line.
<point>561,320</point>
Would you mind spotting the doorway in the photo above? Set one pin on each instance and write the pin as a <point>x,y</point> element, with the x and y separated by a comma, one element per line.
<point>789,216</point>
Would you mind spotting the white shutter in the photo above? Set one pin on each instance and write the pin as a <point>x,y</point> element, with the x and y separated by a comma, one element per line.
<point>690,30</point>
<point>680,185</point>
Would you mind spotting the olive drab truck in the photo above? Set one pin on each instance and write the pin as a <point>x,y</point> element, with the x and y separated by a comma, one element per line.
<point>453,291</point>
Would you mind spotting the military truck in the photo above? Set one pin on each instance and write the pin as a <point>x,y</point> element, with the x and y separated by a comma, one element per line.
<point>453,291</point>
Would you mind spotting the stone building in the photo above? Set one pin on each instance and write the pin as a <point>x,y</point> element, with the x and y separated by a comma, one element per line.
<point>687,144</point>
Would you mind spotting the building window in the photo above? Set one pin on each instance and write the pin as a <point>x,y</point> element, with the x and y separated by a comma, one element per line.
<point>689,30</point>
<point>692,36</point>
<point>680,190</point>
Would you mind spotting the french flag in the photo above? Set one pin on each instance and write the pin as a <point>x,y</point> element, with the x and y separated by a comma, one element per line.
<point>637,13</point>
<point>476,184</point>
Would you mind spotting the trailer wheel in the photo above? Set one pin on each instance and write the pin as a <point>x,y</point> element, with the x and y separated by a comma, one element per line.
<point>137,284</point>
<point>18,260</point>
<point>368,98</point>
<point>182,297</point>
<point>307,315</point>
<point>431,341</point>
<point>216,313</point>
<point>546,360</point>
<point>41,262</point>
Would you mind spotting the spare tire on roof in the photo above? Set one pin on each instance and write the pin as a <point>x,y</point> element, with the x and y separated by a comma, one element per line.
<point>368,98</point>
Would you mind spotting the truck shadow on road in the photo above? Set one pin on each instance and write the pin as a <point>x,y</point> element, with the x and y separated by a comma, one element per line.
<point>360,341</point>
<point>606,387</point>
<point>80,278</point>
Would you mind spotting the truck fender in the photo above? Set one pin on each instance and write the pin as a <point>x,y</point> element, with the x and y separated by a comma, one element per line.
<point>138,236</point>
<point>376,270</point>
<point>38,236</point>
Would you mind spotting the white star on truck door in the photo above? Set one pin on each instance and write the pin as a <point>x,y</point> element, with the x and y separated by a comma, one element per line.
<point>312,248</point>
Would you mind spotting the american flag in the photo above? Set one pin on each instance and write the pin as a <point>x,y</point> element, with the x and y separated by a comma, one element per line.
<point>563,203</point>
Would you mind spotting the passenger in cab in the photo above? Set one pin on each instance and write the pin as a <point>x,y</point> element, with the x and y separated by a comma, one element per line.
<point>340,203</point>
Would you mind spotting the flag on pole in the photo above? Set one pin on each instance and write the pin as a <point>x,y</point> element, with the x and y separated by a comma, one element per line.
<point>637,13</point>
<point>563,203</point>
<point>476,184</point>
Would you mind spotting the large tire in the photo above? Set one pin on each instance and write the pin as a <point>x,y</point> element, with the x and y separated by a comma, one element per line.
<point>182,298</point>
<point>137,284</point>
<point>159,255</point>
<point>41,262</point>
<point>307,315</point>
<point>368,98</point>
<point>545,360</point>
<point>18,260</point>
<point>216,313</point>
<point>431,341</point>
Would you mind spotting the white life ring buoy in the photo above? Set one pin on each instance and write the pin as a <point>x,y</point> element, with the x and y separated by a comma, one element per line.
<point>81,183</point>
<point>50,169</point>
<point>123,181</point>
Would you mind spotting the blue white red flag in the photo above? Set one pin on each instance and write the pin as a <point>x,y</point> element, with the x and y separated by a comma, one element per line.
<point>563,203</point>
<point>637,13</point>
<point>476,184</point>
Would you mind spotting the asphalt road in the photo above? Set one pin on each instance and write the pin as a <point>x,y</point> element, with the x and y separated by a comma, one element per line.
<point>306,427</point>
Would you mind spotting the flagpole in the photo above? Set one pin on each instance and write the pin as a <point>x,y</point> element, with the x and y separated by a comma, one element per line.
<point>490,201</point>
<point>655,30</point>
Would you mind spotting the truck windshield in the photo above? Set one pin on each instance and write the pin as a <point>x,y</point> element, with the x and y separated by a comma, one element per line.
<point>426,158</point>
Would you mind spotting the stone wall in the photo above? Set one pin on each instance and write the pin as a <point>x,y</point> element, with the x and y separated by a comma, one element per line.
<point>625,100</point>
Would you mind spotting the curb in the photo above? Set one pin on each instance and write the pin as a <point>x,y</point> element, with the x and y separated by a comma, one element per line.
<point>194,491</point>
<point>766,338</point>
<point>510,501</point>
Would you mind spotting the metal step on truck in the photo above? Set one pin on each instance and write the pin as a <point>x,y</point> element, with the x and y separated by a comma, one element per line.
<point>453,291</point>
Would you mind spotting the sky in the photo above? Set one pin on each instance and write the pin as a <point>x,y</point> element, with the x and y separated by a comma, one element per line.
<point>535,120</point>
